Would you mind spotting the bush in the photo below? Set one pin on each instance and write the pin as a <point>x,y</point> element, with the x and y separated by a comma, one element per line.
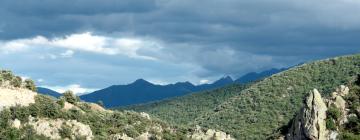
<point>29,84</point>
<point>70,97</point>
<point>46,107</point>
<point>333,112</point>
<point>65,131</point>
<point>61,102</point>
<point>330,124</point>
<point>349,136</point>
<point>16,81</point>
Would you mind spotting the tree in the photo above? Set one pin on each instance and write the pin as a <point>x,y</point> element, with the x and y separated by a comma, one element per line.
<point>29,84</point>
<point>70,97</point>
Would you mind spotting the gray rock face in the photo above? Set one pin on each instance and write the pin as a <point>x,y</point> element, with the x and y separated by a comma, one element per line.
<point>310,122</point>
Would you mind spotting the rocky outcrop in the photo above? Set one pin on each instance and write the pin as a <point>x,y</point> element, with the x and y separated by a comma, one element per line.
<point>16,96</point>
<point>210,134</point>
<point>50,128</point>
<point>337,100</point>
<point>310,122</point>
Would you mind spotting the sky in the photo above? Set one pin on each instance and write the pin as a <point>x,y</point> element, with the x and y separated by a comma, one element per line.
<point>84,45</point>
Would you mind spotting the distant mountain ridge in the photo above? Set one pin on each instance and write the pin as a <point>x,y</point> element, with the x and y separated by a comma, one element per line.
<point>142,91</point>
<point>47,91</point>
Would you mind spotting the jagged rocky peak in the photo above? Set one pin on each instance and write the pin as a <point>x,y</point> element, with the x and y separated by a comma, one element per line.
<point>317,120</point>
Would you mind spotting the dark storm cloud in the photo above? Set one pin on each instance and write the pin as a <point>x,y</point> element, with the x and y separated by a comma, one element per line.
<point>216,36</point>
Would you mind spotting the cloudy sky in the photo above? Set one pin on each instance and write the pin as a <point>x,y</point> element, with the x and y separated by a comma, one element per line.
<point>90,44</point>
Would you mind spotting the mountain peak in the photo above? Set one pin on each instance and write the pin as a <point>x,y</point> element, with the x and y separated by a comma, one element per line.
<point>142,82</point>
<point>224,80</point>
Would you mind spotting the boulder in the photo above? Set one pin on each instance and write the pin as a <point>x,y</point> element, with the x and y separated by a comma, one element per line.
<point>310,122</point>
<point>121,137</point>
<point>50,128</point>
<point>16,123</point>
<point>343,90</point>
<point>210,134</point>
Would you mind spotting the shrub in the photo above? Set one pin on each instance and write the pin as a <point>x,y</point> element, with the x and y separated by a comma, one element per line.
<point>333,112</point>
<point>65,131</point>
<point>46,107</point>
<point>70,97</point>
<point>16,81</point>
<point>61,102</point>
<point>29,84</point>
<point>349,136</point>
<point>7,75</point>
<point>330,124</point>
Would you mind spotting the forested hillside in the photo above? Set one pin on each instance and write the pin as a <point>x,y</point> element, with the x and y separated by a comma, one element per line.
<point>187,108</point>
<point>261,109</point>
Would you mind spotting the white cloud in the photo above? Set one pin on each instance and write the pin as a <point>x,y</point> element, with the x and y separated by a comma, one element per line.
<point>76,88</point>
<point>88,42</point>
<point>67,54</point>
<point>40,80</point>
<point>204,81</point>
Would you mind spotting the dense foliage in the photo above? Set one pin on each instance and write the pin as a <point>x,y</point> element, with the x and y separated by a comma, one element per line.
<point>185,109</point>
<point>351,129</point>
<point>260,110</point>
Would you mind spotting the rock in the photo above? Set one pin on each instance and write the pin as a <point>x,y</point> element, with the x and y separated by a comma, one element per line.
<point>16,123</point>
<point>16,96</point>
<point>340,103</point>
<point>144,136</point>
<point>68,106</point>
<point>50,128</point>
<point>343,90</point>
<point>333,135</point>
<point>145,115</point>
<point>96,107</point>
<point>352,115</point>
<point>210,134</point>
<point>310,122</point>
<point>121,137</point>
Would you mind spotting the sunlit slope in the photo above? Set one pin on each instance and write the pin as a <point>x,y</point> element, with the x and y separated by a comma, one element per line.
<point>184,110</point>
<point>261,109</point>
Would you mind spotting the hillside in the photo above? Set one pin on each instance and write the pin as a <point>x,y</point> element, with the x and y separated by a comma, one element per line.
<point>25,114</point>
<point>261,109</point>
<point>253,76</point>
<point>186,109</point>
<point>142,91</point>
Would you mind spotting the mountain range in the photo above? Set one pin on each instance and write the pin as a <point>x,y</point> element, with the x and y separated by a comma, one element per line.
<point>317,100</point>
<point>266,109</point>
<point>142,91</point>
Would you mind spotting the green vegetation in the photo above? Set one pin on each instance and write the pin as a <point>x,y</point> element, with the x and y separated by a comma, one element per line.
<point>103,124</point>
<point>184,110</point>
<point>9,79</point>
<point>351,129</point>
<point>263,108</point>
<point>332,114</point>
<point>65,131</point>
<point>70,97</point>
